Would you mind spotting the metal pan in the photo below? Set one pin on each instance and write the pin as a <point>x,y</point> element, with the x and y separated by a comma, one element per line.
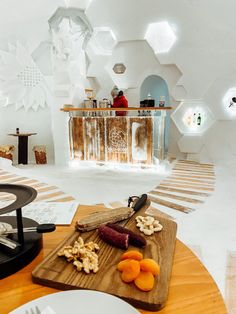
<point>24,195</point>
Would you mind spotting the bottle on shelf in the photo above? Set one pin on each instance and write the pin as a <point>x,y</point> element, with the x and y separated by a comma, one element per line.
<point>162,101</point>
<point>194,118</point>
<point>199,119</point>
<point>189,120</point>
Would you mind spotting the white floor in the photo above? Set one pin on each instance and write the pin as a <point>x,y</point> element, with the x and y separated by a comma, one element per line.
<point>211,227</point>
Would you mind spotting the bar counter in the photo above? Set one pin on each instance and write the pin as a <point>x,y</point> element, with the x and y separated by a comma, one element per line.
<point>95,134</point>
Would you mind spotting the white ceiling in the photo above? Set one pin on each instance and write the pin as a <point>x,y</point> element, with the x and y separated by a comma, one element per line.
<point>206,39</point>
<point>197,23</point>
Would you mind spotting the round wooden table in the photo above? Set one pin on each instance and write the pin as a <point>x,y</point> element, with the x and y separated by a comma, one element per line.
<point>192,290</point>
<point>22,146</point>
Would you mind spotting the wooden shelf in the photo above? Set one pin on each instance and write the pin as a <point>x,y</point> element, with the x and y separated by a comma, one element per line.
<point>116,109</point>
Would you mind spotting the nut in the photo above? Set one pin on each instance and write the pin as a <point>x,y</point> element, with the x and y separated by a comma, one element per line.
<point>148,225</point>
<point>82,255</point>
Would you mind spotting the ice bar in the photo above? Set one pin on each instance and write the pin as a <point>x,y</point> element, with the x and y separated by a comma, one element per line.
<point>98,135</point>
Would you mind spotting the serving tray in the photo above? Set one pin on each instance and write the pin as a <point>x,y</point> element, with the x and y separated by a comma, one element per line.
<point>56,272</point>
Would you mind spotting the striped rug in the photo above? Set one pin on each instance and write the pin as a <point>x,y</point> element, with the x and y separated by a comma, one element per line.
<point>46,192</point>
<point>184,190</point>
<point>189,184</point>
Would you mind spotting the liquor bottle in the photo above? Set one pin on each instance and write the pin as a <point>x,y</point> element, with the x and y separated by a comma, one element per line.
<point>189,120</point>
<point>162,101</point>
<point>194,118</point>
<point>199,119</point>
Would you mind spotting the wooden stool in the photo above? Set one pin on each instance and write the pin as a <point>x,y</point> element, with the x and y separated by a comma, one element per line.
<point>6,151</point>
<point>40,154</point>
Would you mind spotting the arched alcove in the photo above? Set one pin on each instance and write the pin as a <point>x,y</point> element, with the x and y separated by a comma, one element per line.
<point>156,87</point>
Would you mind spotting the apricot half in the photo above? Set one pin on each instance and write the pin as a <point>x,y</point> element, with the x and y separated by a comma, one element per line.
<point>149,265</point>
<point>131,270</point>
<point>144,281</point>
<point>132,254</point>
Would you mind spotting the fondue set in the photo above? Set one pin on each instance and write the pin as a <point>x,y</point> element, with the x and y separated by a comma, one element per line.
<point>20,237</point>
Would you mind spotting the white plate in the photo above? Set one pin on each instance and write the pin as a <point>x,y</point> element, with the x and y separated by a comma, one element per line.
<point>79,301</point>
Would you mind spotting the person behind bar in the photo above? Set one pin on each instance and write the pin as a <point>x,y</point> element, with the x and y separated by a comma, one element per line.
<point>119,101</point>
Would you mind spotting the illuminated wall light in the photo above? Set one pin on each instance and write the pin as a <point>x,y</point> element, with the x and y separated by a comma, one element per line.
<point>160,37</point>
<point>67,3</point>
<point>229,102</point>
<point>193,117</point>
<point>103,41</point>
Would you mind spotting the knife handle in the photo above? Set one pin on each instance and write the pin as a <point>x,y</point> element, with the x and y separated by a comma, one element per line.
<point>43,228</point>
<point>140,202</point>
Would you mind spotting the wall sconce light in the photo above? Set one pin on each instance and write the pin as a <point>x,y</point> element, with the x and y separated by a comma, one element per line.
<point>119,68</point>
<point>232,102</point>
<point>229,102</point>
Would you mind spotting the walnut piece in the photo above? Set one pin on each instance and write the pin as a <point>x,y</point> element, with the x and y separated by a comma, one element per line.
<point>148,225</point>
<point>82,255</point>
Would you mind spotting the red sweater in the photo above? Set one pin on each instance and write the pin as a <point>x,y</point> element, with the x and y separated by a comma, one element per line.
<point>120,102</point>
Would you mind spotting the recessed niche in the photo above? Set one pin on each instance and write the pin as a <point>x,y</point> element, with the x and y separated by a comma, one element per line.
<point>119,68</point>
<point>192,117</point>
<point>160,36</point>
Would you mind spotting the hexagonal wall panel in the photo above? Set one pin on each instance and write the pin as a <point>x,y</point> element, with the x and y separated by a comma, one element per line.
<point>193,117</point>
<point>191,144</point>
<point>160,36</point>
<point>119,68</point>
<point>103,41</point>
<point>137,64</point>
<point>229,102</point>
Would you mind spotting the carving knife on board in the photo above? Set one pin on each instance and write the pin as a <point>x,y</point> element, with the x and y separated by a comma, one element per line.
<point>123,214</point>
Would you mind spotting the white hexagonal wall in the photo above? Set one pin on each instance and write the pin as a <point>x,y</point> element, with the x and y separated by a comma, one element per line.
<point>103,41</point>
<point>193,117</point>
<point>229,102</point>
<point>160,36</point>
<point>136,63</point>
<point>191,144</point>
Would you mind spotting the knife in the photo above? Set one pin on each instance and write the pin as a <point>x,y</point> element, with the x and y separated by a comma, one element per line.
<point>96,219</point>
<point>138,204</point>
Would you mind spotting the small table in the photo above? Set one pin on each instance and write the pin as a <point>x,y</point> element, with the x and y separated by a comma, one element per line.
<point>22,146</point>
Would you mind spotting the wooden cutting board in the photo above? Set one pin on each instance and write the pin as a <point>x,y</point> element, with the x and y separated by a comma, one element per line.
<point>56,272</point>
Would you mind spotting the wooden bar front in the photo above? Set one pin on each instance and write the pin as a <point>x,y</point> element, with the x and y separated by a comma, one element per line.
<point>112,139</point>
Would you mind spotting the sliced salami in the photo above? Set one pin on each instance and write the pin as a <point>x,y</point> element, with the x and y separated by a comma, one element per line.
<point>134,238</point>
<point>113,237</point>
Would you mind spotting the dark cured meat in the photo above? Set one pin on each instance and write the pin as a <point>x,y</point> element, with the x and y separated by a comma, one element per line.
<point>134,238</point>
<point>113,237</point>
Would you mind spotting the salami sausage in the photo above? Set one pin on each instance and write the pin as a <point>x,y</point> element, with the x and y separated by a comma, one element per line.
<point>113,237</point>
<point>134,238</point>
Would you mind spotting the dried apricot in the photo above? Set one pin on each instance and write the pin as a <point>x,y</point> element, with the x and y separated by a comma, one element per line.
<point>144,281</point>
<point>131,271</point>
<point>121,265</point>
<point>150,265</point>
<point>132,255</point>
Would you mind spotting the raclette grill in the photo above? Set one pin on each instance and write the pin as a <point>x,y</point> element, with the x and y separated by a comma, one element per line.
<point>28,244</point>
